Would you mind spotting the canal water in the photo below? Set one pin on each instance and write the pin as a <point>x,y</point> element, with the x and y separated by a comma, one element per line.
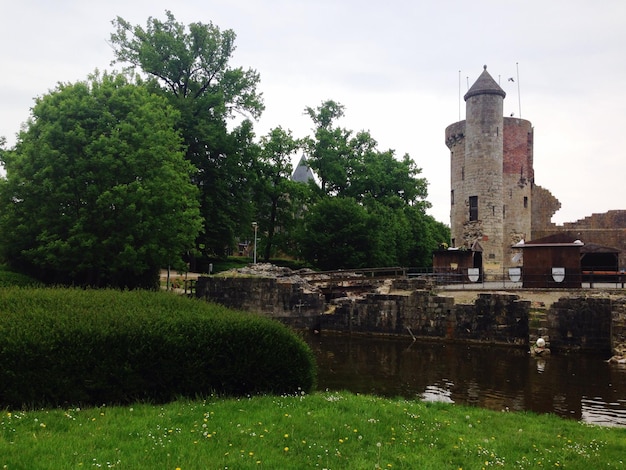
<point>575,386</point>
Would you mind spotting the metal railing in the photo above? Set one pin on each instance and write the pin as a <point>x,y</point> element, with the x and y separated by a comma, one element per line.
<point>514,278</point>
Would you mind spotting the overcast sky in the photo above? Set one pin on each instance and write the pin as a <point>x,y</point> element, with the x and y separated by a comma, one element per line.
<point>395,65</point>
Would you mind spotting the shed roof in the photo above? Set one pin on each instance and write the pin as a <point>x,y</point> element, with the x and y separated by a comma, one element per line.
<point>557,239</point>
<point>595,248</point>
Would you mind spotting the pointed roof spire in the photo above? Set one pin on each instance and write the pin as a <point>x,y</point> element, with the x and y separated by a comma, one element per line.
<point>303,172</point>
<point>485,85</point>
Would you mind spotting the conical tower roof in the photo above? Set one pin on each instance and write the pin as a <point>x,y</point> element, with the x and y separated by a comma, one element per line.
<point>485,85</point>
<point>303,172</point>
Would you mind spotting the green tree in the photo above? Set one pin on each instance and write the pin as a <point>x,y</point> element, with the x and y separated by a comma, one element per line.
<point>426,234</point>
<point>276,194</point>
<point>190,65</point>
<point>97,189</point>
<point>329,150</point>
<point>381,194</point>
<point>380,176</point>
<point>337,233</point>
<point>353,166</point>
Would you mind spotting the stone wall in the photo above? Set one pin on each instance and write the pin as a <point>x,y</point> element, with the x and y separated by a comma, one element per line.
<point>294,303</point>
<point>518,178</point>
<point>581,323</point>
<point>607,229</point>
<point>618,333</point>
<point>494,318</point>
<point>416,312</point>
<point>544,206</point>
<point>408,308</point>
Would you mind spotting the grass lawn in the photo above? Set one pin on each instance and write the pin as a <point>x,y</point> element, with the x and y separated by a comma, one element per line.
<point>323,430</point>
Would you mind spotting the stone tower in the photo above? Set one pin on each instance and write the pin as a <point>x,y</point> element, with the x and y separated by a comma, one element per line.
<point>491,177</point>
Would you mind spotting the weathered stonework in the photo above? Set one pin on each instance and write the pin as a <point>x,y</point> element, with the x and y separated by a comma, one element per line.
<point>495,318</point>
<point>293,303</point>
<point>607,229</point>
<point>581,323</point>
<point>518,181</point>
<point>491,162</point>
<point>544,206</point>
<point>491,159</point>
<point>408,307</point>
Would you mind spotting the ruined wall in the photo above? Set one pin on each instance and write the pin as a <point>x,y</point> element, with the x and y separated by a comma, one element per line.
<point>618,332</point>
<point>581,323</point>
<point>494,318</point>
<point>594,324</point>
<point>607,229</point>
<point>544,206</point>
<point>518,177</point>
<point>294,303</point>
<point>422,313</point>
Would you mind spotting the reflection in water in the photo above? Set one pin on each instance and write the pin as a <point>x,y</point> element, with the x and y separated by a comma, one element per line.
<point>499,378</point>
<point>435,393</point>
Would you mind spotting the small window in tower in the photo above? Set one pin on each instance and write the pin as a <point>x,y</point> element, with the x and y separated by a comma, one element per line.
<point>473,208</point>
<point>504,212</point>
<point>525,202</point>
<point>453,242</point>
<point>452,197</point>
<point>463,173</point>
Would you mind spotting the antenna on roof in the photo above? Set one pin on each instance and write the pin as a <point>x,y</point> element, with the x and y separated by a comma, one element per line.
<point>519,96</point>
<point>459,95</point>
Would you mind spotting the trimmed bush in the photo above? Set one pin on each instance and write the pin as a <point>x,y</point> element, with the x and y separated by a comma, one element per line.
<point>71,346</point>
<point>9,279</point>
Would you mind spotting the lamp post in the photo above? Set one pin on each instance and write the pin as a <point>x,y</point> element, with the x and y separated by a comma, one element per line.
<point>255,226</point>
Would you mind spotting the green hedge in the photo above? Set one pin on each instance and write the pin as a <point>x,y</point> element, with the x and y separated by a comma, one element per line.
<point>9,278</point>
<point>71,346</point>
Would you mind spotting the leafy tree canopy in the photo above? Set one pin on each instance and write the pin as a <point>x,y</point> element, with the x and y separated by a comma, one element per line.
<point>337,233</point>
<point>351,165</point>
<point>371,210</point>
<point>190,62</point>
<point>276,195</point>
<point>97,190</point>
<point>328,150</point>
<point>191,67</point>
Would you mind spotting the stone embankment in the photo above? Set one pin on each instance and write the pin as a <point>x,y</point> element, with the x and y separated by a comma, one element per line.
<point>357,303</point>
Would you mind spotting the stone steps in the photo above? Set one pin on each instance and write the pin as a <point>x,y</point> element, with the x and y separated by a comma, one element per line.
<point>538,326</point>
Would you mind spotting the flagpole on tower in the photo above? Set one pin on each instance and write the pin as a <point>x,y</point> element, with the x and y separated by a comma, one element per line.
<point>519,97</point>
<point>459,96</point>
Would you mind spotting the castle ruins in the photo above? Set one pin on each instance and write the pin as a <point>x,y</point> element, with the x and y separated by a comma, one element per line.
<point>495,202</point>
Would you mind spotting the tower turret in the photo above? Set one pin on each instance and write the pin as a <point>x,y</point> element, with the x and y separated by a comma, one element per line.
<point>483,166</point>
<point>477,215</point>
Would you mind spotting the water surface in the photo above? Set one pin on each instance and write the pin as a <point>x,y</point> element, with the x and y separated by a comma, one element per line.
<point>575,386</point>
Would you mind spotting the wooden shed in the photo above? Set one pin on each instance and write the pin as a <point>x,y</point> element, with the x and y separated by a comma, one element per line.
<point>594,257</point>
<point>454,265</point>
<point>600,263</point>
<point>551,262</point>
